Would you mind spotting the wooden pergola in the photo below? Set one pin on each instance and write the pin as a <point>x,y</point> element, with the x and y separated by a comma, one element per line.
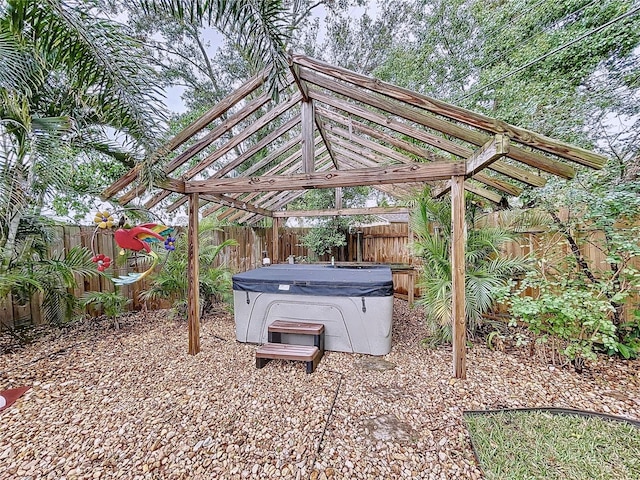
<point>249,157</point>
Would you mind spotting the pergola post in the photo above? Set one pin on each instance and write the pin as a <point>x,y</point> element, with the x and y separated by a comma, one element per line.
<point>308,154</point>
<point>458,246</point>
<point>193,274</point>
<point>275,241</point>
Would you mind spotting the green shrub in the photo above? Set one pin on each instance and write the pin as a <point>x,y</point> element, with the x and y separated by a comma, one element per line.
<point>572,318</point>
<point>487,270</point>
<point>112,304</point>
<point>172,282</point>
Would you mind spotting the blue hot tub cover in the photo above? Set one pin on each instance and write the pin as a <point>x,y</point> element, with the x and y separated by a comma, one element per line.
<point>322,280</point>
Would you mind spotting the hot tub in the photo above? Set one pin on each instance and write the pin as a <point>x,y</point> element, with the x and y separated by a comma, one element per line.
<point>354,304</point>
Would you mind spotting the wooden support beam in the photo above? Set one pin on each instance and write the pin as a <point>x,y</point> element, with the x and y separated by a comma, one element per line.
<point>277,203</point>
<point>483,122</point>
<point>436,141</point>
<point>371,145</point>
<point>354,125</point>
<point>282,150</point>
<point>237,215</point>
<point>443,189</point>
<point>302,86</point>
<point>264,196</point>
<point>458,245</point>
<point>243,135</point>
<point>212,136</point>
<point>304,90</point>
<point>341,145</point>
<point>532,159</point>
<point>287,198</point>
<point>214,207</point>
<point>231,202</point>
<point>491,151</point>
<point>323,133</point>
<point>308,156</point>
<point>225,127</point>
<point>372,176</point>
<point>340,212</point>
<point>268,159</point>
<point>158,197</point>
<point>517,173</point>
<point>235,141</point>
<point>266,200</point>
<point>419,134</point>
<point>274,201</point>
<point>338,201</point>
<point>500,185</point>
<point>251,151</point>
<point>354,162</point>
<point>173,185</point>
<point>212,114</point>
<point>482,192</point>
<point>193,274</point>
<point>205,141</point>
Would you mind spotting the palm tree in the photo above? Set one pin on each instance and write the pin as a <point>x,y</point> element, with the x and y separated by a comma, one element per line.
<point>70,81</point>
<point>486,268</point>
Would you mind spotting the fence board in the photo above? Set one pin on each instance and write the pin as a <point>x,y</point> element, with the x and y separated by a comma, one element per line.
<point>71,238</point>
<point>6,312</point>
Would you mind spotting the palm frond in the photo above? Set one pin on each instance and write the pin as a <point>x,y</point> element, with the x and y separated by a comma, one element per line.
<point>486,270</point>
<point>18,70</point>
<point>209,253</point>
<point>17,280</point>
<point>97,57</point>
<point>524,220</point>
<point>261,28</point>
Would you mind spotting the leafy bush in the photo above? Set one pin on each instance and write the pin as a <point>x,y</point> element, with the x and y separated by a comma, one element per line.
<point>572,318</point>
<point>322,240</point>
<point>111,303</point>
<point>328,233</point>
<point>487,270</point>
<point>29,269</point>
<point>172,283</point>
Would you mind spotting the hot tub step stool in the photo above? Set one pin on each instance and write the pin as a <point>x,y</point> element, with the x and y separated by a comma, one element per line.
<point>302,353</point>
<point>277,328</point>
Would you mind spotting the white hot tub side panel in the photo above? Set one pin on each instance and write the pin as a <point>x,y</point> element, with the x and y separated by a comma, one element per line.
<point>347,327</point>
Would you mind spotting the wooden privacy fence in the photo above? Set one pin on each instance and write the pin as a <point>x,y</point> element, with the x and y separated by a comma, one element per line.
<point>380,244</point>
<point>376,244</point>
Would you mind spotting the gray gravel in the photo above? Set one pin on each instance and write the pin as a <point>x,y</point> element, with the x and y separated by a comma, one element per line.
<point>133,405</point>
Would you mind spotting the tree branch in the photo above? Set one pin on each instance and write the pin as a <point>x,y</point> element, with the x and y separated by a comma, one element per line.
<point>582,263</point>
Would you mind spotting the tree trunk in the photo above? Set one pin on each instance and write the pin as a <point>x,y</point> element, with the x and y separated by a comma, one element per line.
<point>10,242</point>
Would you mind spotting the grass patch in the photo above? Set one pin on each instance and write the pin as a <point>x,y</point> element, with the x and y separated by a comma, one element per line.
<point>542,445</point>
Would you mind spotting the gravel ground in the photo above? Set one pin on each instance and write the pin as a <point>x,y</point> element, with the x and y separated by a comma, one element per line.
<point>132,404</point>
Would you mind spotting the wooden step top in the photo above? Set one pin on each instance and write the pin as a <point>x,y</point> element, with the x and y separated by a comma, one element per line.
<point>303,328</point>
<point>285,351</point>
